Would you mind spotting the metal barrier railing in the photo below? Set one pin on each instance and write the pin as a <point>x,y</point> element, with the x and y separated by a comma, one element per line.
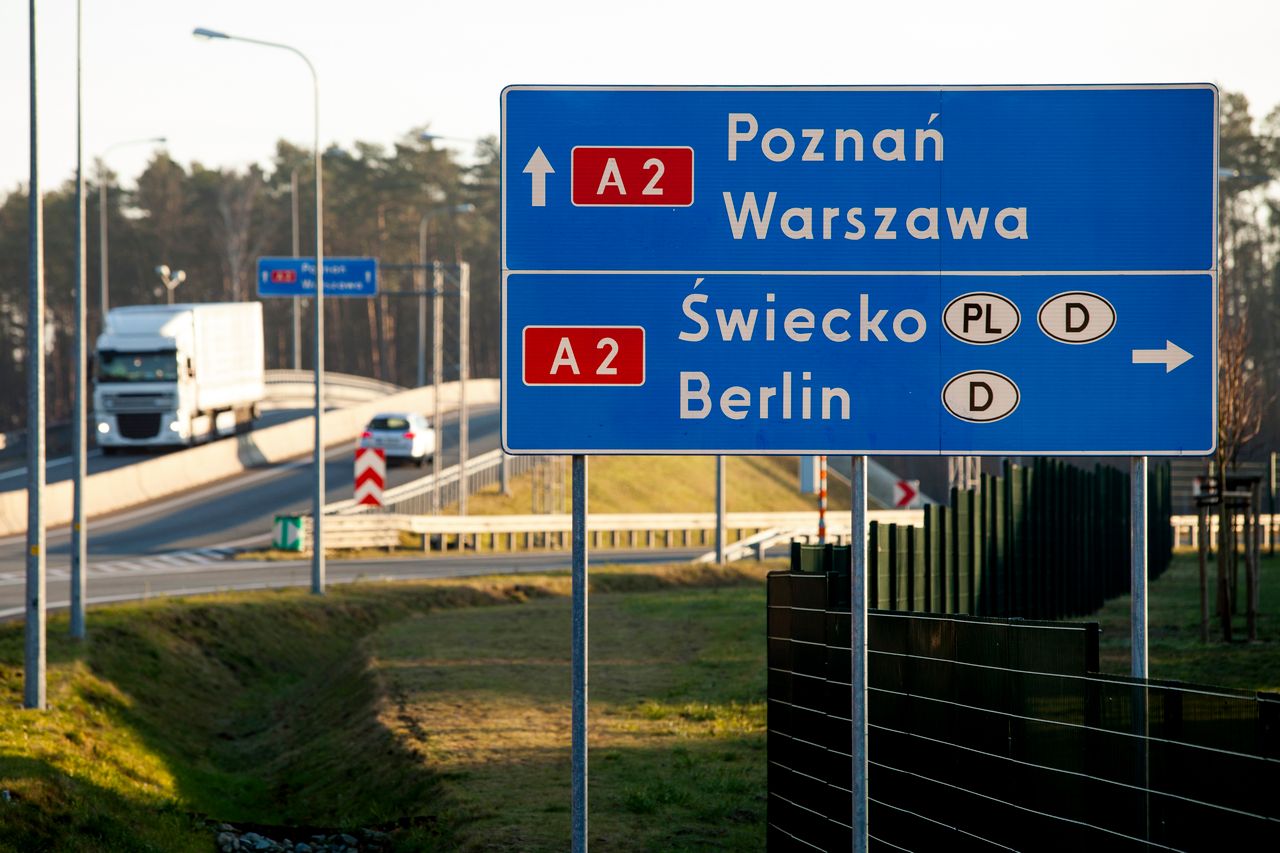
<point>416,497</point>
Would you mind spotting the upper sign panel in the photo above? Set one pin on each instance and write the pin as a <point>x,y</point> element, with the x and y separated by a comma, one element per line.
<point>907,179</point>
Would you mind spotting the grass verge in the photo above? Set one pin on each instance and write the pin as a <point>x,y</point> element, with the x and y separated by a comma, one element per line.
<point>275,709</point>
<point>1173,618</point>
<point>675,484</point>
<point>677,718</point>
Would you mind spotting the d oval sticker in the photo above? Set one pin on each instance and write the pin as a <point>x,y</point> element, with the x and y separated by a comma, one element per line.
<point>1077,317</point>
<point>980,396</point>
<point>981,318</point>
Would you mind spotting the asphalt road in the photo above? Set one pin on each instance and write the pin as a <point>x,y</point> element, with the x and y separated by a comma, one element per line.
<point>234,512</point>
<point>222,575</point>
<point>13,477</point>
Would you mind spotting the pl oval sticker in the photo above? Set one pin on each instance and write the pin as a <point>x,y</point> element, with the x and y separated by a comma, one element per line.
<point>980,396</point>
<point>1077,317</point>
<point>981,318</point>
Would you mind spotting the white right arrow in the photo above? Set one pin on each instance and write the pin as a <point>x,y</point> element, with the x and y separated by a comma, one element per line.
<point>539,166</point>
<point>1171,356</point>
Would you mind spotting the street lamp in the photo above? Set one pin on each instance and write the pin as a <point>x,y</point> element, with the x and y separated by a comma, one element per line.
<point>317,498</point>
<point>170,282</point>
<point>102,214</point>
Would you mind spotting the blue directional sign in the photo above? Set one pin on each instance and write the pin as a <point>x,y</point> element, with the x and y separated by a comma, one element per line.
<point>297,276</point>
<point>1026,270</point>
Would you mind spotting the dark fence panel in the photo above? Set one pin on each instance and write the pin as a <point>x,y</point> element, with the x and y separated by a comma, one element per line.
<point>1049,541</point>
<point>989,733</point>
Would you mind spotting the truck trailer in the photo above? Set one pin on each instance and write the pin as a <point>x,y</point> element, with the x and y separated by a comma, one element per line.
<point>176,375</point>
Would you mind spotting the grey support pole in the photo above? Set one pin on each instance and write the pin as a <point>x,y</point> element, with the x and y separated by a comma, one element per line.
<point>297,250</point>
<point>420,277</point>
<point>858,652</point>
<point>33,695</point>
<point>464,370</point>
<point>317,500</point>
<point>1138,624</point>
<point>102,243</point>
<point>1138,564</point>
<point>437,376</point>
<point>79,546</point>
<point>720,511</point>
<point>579,714</point>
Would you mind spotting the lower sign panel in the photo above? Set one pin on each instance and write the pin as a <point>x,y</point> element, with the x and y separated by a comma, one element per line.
<point>926,364</point>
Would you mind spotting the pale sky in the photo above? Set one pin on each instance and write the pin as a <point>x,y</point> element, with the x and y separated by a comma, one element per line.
<point>386,66</point>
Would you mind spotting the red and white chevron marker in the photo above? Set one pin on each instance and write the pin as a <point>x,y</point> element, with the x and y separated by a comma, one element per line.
<point>371,475</point>
<point>906,494</point>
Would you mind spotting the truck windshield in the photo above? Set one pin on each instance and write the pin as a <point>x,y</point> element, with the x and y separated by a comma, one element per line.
<point>159,366</point>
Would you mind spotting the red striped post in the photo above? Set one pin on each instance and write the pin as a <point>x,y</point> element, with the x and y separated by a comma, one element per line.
<point>371,475</point>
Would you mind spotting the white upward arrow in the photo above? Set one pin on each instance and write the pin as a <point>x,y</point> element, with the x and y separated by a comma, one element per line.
<point>1171,356</point>
<point>539,167</point>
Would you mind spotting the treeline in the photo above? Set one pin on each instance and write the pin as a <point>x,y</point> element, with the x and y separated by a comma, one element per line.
<point>215,223</point>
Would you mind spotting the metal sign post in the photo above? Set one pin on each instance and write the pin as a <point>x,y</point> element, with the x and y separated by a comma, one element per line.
<point>437,379</point>
<point>858,651</point>
<point>720,498</point>
<point>1138,564</point>
<point>578,791</point>
<point>464,371</point>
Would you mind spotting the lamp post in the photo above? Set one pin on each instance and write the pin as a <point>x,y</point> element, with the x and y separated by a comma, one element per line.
<point>170,282</point>
<point>79,542</point>
<point>317,500</point>
<point>102,215</point>
<point>34,657</point>
<point>297,311</point>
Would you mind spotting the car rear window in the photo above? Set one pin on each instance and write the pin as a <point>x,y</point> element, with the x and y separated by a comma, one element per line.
<point>389,423</point>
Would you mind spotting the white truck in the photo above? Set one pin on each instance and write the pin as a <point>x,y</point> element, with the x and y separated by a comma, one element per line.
<point>177,374</point>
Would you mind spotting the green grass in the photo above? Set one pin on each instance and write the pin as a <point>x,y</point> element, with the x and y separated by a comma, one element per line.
<point>676,723</point>
<point>1173,618</point>
<point>270,708</point>
<point>676,484</point>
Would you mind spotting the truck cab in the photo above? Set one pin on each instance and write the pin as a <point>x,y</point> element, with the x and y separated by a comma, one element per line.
<point>174,375</point>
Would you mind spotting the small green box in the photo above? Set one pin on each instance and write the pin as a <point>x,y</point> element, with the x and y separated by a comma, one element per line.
<point>288,533</point>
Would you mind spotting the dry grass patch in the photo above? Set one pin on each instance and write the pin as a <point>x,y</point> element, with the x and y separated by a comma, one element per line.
<point>677,717</point>
<point>675,484</point>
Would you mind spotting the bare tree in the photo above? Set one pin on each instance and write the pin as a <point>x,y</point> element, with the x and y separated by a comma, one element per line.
<point>238,241</point>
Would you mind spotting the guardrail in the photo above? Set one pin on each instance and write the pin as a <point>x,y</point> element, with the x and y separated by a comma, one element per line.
<point>340,389</point>
<point>1186,529</point>
<point>414,497</point>
<point>604,530</point>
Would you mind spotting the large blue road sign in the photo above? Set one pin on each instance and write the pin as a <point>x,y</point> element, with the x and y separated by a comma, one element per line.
<point>297,276</point>
<point>1024,270</point>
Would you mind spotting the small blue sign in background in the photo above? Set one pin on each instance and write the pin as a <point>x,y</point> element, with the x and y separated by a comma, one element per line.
<point>1104,190</point>
<point>297,276</point>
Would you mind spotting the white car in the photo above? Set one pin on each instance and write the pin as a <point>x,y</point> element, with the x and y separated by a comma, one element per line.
<point>401,435</point>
